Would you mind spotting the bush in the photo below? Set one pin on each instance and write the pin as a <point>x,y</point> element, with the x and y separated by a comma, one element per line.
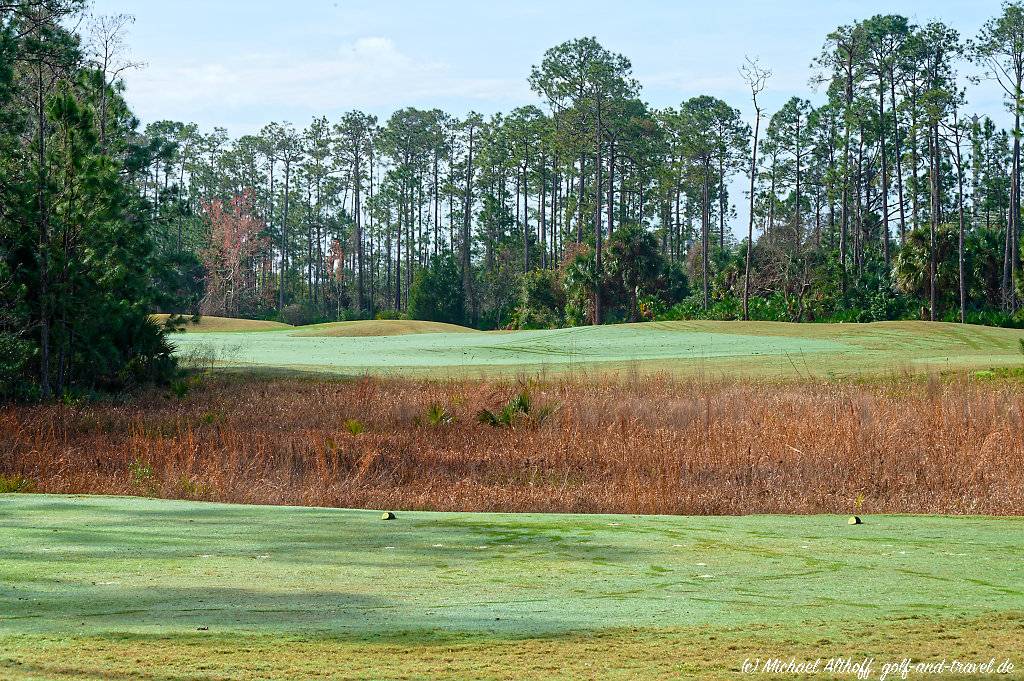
<point>299,314</point>
<point>436,292</point>
<point>541,301</point>
<point>12,484</point>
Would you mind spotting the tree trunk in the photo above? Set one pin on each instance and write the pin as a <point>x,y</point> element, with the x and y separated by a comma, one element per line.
<point>705,229</point>
<point>466,221</point>
<point>899,159</point>
<point>284,235</point>
<point>935,207</point>
<point>750,221</point>
<point>44,243</point>
<point>611,189</point>
<point>598,238</point>
<point>526,211</point>
<point>1013,224</point>
<point>357,210</point>
<point>885,176</point>
<point>543,207</point>
<point>960,210</point>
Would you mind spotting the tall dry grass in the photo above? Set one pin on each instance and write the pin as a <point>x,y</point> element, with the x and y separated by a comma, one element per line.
<point>636,445</point>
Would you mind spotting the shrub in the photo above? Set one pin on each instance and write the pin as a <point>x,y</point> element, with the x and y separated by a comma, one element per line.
<point>541,301</point>
<point>436,292</point>
<point>438,415</point>
<point>10,484</point>
<point>518,408</point>
<point>299,314</point>
<point>143,478</point>
<point>193,490</point>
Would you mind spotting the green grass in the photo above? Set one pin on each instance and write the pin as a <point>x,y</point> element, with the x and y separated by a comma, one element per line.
<point>754,349</point>
<point>258,592</point>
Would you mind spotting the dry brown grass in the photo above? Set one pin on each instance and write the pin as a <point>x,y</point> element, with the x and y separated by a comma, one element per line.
<point>634,445</point>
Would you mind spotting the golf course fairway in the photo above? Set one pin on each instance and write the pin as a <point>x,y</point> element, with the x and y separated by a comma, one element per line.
<point>114,587</point>
<point>755,349</point>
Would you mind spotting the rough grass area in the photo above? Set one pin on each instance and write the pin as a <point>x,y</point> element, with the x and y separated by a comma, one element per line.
<point>752,349</point>
<point>208,324</point>
<point>378,327</point>
<point>646,444</point>
<point>125,588</point>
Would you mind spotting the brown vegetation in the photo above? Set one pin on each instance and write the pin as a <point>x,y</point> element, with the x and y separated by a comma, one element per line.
<point>635,445</point>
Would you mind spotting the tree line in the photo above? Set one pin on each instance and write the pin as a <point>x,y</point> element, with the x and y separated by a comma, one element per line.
<point>888,199</point>
<point>883,198</point>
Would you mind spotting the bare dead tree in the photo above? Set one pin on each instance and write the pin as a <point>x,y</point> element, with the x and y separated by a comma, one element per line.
<point>107,52</point>
<point>756,77</point>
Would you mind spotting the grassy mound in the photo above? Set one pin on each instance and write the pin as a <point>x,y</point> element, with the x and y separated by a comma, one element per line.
<point>379,327</point>
<point>94,587</point>
<point>226,324</point>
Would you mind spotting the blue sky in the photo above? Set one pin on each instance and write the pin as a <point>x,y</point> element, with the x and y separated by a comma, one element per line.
<point>242,64</point>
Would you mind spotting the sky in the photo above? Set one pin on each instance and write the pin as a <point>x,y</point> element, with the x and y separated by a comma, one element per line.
<point>239,65</point>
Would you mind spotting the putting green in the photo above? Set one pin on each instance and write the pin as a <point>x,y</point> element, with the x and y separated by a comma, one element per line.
<point>753,348</point>
<point>138,575</point>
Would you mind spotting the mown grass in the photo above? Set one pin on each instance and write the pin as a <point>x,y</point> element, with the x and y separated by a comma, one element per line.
<point>188,590</point>
<point>635,653</point>
<point>737,349</point>
<point>635,444</point>
<point>94,587</point>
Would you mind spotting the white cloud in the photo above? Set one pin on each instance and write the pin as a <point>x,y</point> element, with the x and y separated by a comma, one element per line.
<point>370,72</point>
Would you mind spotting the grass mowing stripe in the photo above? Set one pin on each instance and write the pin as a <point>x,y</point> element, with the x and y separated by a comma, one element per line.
<point>690,652</point>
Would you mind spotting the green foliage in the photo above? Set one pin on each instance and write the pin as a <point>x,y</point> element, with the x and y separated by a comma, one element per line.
<point>78,273</point>
<point>15,355</point>
<point>179,282</point>
<point>1000,373</point>
<point>911,265</point>
<point>436,293</point>
<point>634,264</point>
<point>519,408</point>
<point>580,279</point>
<point>211,417</point>
<point>105,226</point>
<point>541,301</point>
<point>438,415</point>
<point>300,314</point>
<point>354,427</point>
<point>671,286</point>
<point>515,408</point>
<point>182,386</point>
<point>11,484</point>
<point>190,489</point>
<point>143,478</point>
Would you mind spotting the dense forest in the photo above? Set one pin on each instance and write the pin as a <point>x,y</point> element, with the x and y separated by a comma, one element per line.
<point>885,197</point>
